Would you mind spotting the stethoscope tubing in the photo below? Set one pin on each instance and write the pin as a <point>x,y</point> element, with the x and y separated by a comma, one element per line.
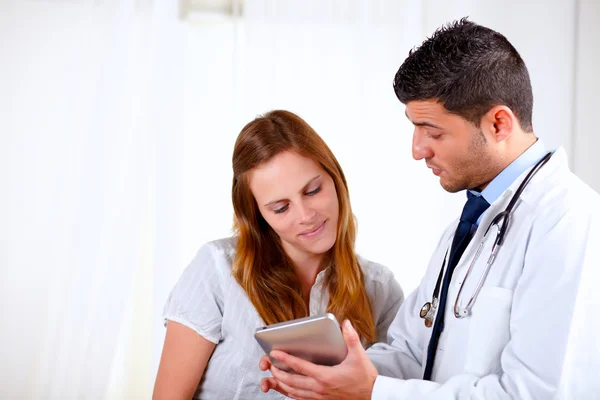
<point>501,222</point>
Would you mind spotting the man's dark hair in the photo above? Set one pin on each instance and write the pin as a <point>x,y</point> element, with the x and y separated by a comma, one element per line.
<point>469,69</point>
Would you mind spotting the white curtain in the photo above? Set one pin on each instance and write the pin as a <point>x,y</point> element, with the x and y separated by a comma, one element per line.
<point>117,123</point>
<point>91,92</point>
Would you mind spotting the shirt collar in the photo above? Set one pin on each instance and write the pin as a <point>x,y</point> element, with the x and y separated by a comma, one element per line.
<point>509,174</point>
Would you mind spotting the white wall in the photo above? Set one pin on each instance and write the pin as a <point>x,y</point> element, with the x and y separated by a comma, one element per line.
<point>531,26</point>
<point>586,140</point>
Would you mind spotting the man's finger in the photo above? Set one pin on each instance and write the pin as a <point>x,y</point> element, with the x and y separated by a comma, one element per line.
<point>351,336</point>
<point>293,380</point>
<point>299,365</point>
<point>267,384</point>
<point>264,363</point>
<point>298,394</point>
<point>356,350</point>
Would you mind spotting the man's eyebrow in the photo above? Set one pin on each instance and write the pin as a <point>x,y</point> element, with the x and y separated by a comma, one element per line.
<point>422,123</point>
<point>303,189</point>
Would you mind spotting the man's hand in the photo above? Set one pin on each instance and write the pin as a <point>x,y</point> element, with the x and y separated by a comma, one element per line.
<point>267,384</point>
<point>352,379</point>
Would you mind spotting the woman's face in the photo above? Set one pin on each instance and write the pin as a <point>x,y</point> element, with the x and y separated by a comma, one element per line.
<point>299,201</point>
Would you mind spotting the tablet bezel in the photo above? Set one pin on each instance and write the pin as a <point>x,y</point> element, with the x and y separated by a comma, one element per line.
<point>317,339</point>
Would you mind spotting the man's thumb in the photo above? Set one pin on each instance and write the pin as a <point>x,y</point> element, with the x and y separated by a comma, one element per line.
<point>350,336</point>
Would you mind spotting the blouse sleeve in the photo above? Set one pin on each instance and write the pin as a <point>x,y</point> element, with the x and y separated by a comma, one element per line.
<point>389,299</point>
<point>196,301</point>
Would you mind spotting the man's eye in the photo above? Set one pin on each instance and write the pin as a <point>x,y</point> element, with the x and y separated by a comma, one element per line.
<point>313,192</point>
<point>280,210</point>
<point>434,136</point>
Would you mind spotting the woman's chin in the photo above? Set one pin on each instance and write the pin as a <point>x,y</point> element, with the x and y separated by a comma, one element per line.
<point>321,246</point>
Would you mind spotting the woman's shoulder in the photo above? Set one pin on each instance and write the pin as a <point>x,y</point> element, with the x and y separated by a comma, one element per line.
<point>224,247</point>
<point>216,254</point>
<point>374,271</point>
<point>198,298</point>
<point>384,291</point>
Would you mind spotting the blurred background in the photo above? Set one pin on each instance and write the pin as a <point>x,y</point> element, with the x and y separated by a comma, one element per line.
<point>117,124</point>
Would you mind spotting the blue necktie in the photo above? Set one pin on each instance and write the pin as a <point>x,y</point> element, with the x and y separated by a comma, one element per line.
<point>474,207</point>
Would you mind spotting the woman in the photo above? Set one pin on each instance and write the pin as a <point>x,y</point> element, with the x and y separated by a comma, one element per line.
<point>292,256</point>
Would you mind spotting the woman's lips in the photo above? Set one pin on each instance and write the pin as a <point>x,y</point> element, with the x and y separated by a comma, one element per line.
<point>314,232</point>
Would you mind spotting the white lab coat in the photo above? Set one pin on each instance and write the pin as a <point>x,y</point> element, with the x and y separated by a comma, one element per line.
<point>533,332</point>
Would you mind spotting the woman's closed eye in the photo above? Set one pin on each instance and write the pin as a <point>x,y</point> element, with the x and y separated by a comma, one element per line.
<point>281,209</point>
<point>284,208</point>
<point>314,191</point>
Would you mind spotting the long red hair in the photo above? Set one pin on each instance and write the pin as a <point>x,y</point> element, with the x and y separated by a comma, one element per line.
<point>261,266</point>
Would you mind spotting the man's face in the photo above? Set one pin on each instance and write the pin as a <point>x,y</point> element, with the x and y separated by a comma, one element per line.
<point>454,148</point>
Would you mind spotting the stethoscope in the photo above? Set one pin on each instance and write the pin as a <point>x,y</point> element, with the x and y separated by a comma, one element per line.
<point>500,223</point>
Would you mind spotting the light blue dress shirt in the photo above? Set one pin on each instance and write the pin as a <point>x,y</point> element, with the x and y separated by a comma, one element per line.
<point>509,174</point>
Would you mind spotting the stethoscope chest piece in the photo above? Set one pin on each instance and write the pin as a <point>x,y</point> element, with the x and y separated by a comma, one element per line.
<point>427,314</point>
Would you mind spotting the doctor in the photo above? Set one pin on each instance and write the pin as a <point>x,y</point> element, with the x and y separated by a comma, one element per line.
<point>508,307</point>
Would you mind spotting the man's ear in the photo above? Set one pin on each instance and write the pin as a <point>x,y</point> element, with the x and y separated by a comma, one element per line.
<point>499,122</point>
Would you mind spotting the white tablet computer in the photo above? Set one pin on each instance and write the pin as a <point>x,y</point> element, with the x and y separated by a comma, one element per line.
<point>317,339</point>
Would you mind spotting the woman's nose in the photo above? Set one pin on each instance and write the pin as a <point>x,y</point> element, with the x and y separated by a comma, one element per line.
<point>307,213</point>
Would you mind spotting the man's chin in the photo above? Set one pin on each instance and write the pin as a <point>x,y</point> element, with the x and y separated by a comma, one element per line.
<point>451,187</point>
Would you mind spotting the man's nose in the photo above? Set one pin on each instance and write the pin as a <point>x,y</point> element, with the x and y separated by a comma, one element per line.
<point>420,149</point>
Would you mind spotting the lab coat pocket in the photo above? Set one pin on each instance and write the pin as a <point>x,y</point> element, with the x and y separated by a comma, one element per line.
<point>489,330</point>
